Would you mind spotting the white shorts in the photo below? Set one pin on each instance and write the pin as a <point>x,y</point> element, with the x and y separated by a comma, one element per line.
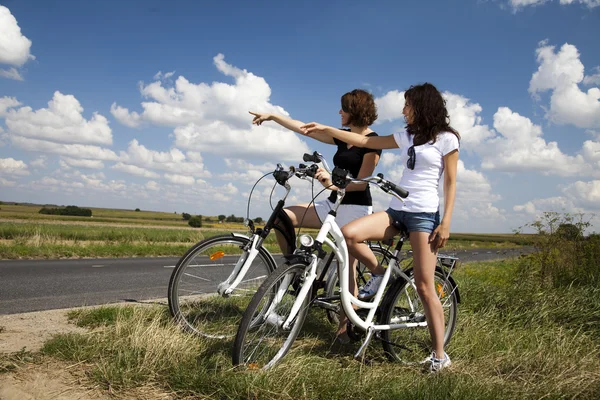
<point>345,213</point>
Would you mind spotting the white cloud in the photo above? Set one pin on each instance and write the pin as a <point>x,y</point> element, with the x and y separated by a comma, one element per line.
<point>151,185</point>
<point>7,103</point>
<point>592,79</point>
<point>560,73</point>
<point>123,115</point>
<point>134,170</point>
<point>160,76</point>
<point>180,179</point>
<point>70,150</point>
<point>62,121</point>
<point>389,158</point>
<point>520,4</point>
<point>585,195</point>
<point>215,117</point>
<point>389,106</point>
<point>83,163</point>
<point>10,166</point>
<point>14,47</point>
<point>39,162</point>
<point>174,160</point>
<point>7,183</point>
<point>11,73</point>
<point>520,146</point>
<point>465,118</point>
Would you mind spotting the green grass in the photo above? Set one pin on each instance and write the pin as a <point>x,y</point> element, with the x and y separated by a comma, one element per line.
<point>513,340</point>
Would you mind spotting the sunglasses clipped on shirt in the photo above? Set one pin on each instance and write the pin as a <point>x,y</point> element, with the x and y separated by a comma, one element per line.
<point>410,164</point>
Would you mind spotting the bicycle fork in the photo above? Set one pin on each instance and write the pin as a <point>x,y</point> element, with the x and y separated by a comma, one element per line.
<point>227,287</point>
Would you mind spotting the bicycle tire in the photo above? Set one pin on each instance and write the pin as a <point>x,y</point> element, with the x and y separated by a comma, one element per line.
<point>402,303</point>
<point>192,292</point>
<point>264,316</point>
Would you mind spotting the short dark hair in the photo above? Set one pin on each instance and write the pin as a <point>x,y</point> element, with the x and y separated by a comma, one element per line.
<point>430,114</point>
<point>361,107</point>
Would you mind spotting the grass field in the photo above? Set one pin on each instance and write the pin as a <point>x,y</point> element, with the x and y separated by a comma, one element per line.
<point>24,233</point>
<point>512,341</point>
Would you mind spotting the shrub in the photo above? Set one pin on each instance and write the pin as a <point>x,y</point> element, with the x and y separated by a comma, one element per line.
<point>137,209</point>
<point>186,216</point>
<point>221,217</point>
<point>563,256</point>
<point>195,222</point>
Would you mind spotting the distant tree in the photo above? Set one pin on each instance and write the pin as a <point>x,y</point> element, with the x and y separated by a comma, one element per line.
<point>137,209</point>
<point>231,218</point>
<point>569,231</point>
<point>186,216</point>
<point>221,218</point>
<point>68,210</point>
<point>258,220</point>
<point>195,222</point>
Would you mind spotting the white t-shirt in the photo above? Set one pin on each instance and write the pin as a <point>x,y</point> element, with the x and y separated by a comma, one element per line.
<point>423,181</point>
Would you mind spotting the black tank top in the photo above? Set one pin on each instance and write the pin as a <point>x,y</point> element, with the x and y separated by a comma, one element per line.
<point>351,159</point>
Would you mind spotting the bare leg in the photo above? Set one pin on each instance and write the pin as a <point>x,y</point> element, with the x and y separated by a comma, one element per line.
<point>298,214</point>
<point>424,272</point>
<point>371,227</point>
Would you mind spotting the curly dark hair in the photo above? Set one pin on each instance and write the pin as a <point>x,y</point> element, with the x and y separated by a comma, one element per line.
<point>361,107</point>
<point>430,114</point>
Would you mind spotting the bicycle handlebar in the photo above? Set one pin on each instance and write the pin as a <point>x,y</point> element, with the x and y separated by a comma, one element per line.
<point>341,178</point>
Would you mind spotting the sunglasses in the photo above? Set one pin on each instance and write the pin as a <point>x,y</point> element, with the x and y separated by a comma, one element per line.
<point>410,164</point>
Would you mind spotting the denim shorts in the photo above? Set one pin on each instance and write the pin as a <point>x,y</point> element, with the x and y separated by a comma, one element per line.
<point>414,222</point>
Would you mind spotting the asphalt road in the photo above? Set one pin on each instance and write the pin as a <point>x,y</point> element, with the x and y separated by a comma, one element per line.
<point>35,285</point>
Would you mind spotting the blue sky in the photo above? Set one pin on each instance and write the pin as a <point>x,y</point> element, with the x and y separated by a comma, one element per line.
<point>144,103</point>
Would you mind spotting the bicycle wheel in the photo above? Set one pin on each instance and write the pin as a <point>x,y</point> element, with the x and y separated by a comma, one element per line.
<point>332,287</point>
<point>261,340</point>
<point>192,293</point>
<point>402,305</point>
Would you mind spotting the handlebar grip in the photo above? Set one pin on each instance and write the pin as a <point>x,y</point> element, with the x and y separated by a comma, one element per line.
<point>312,170</point>
<point>309,158</point>
<point>398,190</point>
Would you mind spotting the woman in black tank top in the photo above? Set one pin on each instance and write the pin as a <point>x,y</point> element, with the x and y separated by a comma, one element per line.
<point>358,111</point>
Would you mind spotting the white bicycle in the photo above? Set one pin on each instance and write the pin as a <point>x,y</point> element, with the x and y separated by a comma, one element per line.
<point>395,315</point>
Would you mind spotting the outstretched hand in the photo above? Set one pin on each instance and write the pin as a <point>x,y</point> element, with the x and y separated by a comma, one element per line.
<point>313,127</point>
<point>260,118</point>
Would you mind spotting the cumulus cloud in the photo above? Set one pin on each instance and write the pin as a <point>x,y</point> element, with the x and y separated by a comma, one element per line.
<point>561,72</point>
<point>10,166</point>
<point>389,106</point>
<point>82,163</point>
<point>62,122</point>
<point>180,179</point>
<point>14,46</point>
<point>173,161</point>
<point>520,4</point>
<point>130,119</point>
<point>70,150</point>
<point>134,170</point>
<point>215,117</point>
<point>520,146</point>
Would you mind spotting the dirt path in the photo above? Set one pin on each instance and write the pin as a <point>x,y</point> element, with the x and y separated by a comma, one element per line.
<point>52,380</point>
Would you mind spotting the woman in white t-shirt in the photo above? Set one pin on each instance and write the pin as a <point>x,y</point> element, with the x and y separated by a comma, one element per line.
<point>429,147</point>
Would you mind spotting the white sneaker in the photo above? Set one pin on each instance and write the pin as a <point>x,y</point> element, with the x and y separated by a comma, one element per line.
<point>370,289</point>
<point>434,364</point>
